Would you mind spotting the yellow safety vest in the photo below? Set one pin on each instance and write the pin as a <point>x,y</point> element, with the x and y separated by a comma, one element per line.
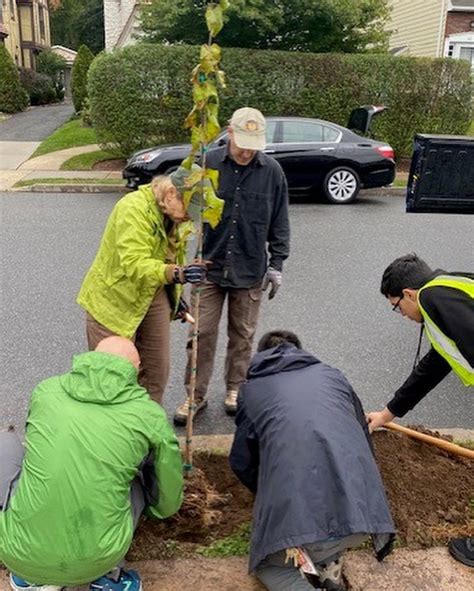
<point>445,346</point>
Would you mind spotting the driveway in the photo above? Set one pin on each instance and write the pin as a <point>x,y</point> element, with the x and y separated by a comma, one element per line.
<point>330,297</point>
<point>22,133</point>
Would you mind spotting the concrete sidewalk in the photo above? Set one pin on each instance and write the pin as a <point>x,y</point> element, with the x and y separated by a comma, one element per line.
<point>403,570</point>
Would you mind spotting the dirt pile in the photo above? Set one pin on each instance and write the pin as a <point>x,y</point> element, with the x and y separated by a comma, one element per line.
<point>431,495</point>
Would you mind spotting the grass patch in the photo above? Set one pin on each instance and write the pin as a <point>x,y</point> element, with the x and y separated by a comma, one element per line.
<point>399,183</point>
<point>471,129</point>
<point>86,161</point>
<point>59,181</point>
<point>468,444</point>
<point>71,134</point>
<point>234,545</point>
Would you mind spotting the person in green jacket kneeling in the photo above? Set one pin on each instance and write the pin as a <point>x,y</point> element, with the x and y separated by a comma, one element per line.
<point>98,453</point>
<point>134,286</point>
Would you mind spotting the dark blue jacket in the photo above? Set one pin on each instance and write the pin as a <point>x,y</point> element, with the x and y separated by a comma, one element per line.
<point>303,447</point>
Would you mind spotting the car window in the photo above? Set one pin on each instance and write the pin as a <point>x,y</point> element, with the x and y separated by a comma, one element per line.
<point>270,130</point>
<point>305,131</point>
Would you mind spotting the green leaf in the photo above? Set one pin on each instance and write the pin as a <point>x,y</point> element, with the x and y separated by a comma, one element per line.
<point>225,4</point>
<point>195,177</point>
<point>214,19</point>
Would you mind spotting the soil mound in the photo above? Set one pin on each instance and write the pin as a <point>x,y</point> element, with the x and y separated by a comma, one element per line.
<point>431,494</point>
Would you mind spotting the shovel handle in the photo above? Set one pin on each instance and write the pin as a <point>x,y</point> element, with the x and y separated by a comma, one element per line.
<point>441,443</point>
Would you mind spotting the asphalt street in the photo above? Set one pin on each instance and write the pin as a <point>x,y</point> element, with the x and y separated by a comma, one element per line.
<point>330,297</point>
<point>35,124</point>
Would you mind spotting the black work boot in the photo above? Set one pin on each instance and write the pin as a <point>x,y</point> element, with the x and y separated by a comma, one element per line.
<point>462,549</point>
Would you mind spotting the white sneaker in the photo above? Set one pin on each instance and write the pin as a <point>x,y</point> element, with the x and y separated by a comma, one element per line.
<point>330,575</point>
<point>182,412</point>
<point>230,402</point>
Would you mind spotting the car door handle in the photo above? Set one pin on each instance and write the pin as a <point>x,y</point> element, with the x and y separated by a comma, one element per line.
<point>327,149</point>
<point>269,151</point>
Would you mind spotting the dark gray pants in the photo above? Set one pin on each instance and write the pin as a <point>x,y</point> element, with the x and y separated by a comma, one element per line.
<point>277,575</point>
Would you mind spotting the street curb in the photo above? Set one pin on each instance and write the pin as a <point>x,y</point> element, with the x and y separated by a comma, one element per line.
<point>91,188</point>
<point>40,188</point>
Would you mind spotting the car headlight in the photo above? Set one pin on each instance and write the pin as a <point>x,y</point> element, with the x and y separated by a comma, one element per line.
<point>147,157</point>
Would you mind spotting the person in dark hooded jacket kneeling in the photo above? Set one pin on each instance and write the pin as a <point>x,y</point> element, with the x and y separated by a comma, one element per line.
<point>303,447</point>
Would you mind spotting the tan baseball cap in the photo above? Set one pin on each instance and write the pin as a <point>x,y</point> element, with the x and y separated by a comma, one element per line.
<point>248,125</point>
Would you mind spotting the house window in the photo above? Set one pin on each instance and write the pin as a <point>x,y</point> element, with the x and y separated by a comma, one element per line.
<point>41,22</point>
<point>467,53</point>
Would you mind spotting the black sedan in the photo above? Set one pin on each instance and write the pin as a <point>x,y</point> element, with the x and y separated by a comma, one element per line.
<point>316,156</point>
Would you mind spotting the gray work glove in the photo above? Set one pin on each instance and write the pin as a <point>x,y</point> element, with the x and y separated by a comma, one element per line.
<point>274,277</point>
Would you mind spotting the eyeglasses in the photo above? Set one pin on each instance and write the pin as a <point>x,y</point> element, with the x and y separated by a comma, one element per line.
<point>396,307</point>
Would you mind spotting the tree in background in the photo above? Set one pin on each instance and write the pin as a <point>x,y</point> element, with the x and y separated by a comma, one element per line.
<point>80,68</point>
<point>348,26</point>
<point>13,97</point>
<point>52,65</point>
<point>77,22</point>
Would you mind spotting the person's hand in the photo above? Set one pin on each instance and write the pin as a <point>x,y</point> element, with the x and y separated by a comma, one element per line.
<point>274,277</point>
<point>183,312</point>
<point>379,418</point>
<point>194,273</point>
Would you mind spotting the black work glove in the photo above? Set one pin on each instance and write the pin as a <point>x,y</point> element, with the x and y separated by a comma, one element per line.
<point>183,311</point>
<point>193,273</point>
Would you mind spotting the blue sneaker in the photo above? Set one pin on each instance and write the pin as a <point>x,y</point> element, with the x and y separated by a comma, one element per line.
<point>18,584</point>
<point>129,580</point>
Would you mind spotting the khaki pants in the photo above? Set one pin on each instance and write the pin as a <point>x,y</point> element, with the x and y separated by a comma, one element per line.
<point>243,307</point>
<point>152,340</point>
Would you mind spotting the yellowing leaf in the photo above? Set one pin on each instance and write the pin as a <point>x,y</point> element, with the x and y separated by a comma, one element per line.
<point>202,92</point>
<point>194,177</point>
<point>192,119</point>
<point>213,175</point>
<point>220,75</point>
<point>214,207</point>
<point>214,19</point>
<point>224,4</point>
<point>188,162</point>
<point>209,57</point>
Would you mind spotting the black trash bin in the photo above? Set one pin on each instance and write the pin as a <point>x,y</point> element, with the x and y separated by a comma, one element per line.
<point>441,174</point>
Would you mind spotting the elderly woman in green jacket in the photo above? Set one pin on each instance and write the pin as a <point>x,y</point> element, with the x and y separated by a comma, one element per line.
<point>133,288</point>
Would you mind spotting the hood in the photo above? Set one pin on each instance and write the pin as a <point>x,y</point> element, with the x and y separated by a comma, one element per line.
<point>285,357</point>
<point>101,378</point>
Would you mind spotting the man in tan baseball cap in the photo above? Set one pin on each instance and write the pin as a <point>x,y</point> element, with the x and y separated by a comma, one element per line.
<point>247,129</point>
<point>248,248</point>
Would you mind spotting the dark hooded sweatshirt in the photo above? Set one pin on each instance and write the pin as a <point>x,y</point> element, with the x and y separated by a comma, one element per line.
<point>303,447</point>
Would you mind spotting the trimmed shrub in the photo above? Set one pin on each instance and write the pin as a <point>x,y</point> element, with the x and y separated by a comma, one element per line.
<point>39,87</point>
<point>13,97</point>
<point>141,94</point>
<point>81,66</point>
<point>52,65</point>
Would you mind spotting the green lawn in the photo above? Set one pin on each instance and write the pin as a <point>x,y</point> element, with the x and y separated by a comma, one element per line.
<point>86,161</point>
<point>471,129</point>
<point>60,181</point>
<point>69,135</point>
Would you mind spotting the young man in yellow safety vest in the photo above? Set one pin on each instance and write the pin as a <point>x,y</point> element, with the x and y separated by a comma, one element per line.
<point>443,303</point>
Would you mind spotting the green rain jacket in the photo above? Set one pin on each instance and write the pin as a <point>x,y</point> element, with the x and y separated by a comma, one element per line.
<point>69,520</point>
<point>133,260</point>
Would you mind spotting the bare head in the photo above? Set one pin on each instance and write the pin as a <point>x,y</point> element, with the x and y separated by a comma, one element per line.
<point>120,347</point>
<point>169,199</point>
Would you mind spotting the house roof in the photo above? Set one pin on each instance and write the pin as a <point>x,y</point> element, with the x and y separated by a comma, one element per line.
<point>68,54</point>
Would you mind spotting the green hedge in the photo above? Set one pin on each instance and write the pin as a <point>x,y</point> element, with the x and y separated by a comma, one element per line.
<point>13,97</point>
<point>140,95</point>
<point>84,59</point>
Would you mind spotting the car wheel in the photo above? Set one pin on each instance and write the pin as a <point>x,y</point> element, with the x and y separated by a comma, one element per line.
<point>171,169</point>
<point>341,185</point>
